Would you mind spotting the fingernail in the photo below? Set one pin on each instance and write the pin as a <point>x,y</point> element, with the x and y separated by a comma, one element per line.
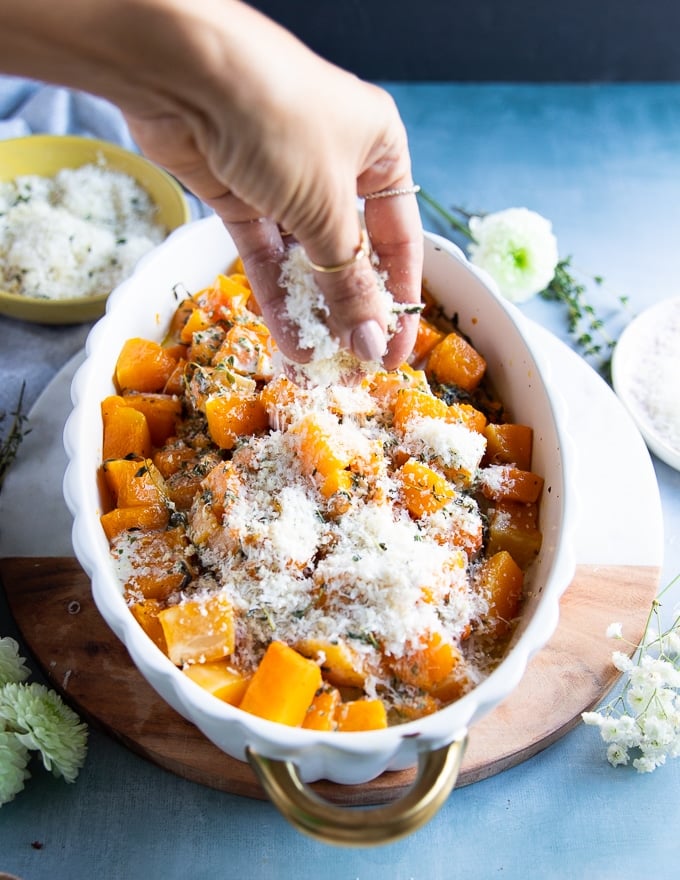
<point>368,341</point>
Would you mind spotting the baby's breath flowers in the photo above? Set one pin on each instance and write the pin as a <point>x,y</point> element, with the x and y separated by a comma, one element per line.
<point>34,718</point>
<point>641,725</point>
<point>518,249</point>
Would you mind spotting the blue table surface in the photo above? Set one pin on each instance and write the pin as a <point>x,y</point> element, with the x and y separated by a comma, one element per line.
<point>603,163</point>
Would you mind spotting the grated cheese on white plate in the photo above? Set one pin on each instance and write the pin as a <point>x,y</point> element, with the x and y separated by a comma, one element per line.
<point>77,234</point>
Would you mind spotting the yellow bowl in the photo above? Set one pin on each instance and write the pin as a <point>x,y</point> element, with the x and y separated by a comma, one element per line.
<point>45,155</point>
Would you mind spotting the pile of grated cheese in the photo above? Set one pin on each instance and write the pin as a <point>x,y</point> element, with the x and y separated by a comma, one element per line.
<point>308,313</point>
<point>77,234</point>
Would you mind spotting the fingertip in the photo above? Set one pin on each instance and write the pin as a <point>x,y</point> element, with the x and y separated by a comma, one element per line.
<point>402,343</point>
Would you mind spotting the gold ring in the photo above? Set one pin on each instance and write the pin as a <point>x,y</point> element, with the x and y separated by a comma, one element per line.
<point>388,193</point>
<point>362,250</point>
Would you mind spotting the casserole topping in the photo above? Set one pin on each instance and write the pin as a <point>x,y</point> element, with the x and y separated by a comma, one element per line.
<point>333,556</point>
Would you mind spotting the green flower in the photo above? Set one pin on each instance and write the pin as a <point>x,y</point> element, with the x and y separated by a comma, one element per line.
<point>13,765</point>
<point>12,666</point>
<point>43,722</point>
<point>517,248</point>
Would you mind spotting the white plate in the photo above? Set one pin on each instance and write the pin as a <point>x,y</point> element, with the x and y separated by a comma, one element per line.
<point>646,377</point>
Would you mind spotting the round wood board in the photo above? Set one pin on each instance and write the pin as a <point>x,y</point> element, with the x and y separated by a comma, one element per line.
<point>51,602</point>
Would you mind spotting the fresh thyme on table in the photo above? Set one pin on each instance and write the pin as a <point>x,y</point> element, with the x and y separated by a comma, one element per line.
<point>9,445</point>
<point>519,241</point>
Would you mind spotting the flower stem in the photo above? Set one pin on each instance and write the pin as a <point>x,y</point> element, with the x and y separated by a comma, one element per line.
<point>444,213</point>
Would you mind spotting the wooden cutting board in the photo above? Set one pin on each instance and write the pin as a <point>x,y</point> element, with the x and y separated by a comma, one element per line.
<point>83,660</point>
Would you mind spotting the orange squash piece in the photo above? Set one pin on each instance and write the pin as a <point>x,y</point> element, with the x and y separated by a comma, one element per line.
<point>199,632</point>
<point>283,686</point>
<point>231,416</point>
<point>159,564</point>
<point>412,403</point>
<point>197,321</point>
<point>503,580</point>
<point>340,665</point>
<point>426,664</point>
<point>219,679</point>
<point>160,410</point>
<point>428,336</point>
<point>143,365</point>
<point>134,482</point>
<point>321,713</point>
<point>144,517</point>
<point>321,457</point>
<point>145,613</point>
<point>424,491</point>
<point>514,527</point>
<point>247,349</point>
<point>509,444</point>
<point>453,361</point>
<point>386,384</point>
<point>508,483</point>
<point>125,430</point>
<point>356,715</point>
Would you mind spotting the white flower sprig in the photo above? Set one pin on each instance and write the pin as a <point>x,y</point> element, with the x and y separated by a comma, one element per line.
<point>643,722</point>
<point>34,718</point>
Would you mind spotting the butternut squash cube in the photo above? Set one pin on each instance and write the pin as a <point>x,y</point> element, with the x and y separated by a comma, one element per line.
<point>357,715</point>
<point>503,580</point>
<point>283,686</point>
<point>146,516</point>
<point>125,431</point>
<point>321,713</point>
<point>231,416</point>
<point>509,444</point>
<point>198,632</point>
<point>143,365</point>
<point>453,361</point>
<point>340,665</point>
<point>219,679</point>
<point>424,491</point>
<point>146,615</point>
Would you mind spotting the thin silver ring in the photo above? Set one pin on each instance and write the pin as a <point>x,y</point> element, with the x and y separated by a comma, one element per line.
<point>388,193</point>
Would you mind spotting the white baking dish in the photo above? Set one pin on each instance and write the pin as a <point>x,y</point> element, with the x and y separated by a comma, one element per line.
<point>287,758</point>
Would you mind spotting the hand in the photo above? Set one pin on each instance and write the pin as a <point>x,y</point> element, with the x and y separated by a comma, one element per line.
<point>290,149</point>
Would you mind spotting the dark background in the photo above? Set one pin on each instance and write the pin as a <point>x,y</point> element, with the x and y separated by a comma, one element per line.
<point>491,40</point>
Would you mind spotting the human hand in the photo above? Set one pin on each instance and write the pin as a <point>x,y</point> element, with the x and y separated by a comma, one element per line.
<point>278,139</point>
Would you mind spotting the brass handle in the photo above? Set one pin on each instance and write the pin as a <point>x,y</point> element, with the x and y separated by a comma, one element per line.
<point>330,823</point>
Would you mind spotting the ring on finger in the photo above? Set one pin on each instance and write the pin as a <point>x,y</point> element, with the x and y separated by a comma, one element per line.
<point>362,250</point>
<point>399,191</point>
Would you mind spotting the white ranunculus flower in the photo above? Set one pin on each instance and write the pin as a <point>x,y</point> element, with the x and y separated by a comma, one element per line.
<point>517,248</point>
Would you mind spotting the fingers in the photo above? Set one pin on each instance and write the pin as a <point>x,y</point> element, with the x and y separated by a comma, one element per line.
<point>396,234</point>
<point>262,250</point>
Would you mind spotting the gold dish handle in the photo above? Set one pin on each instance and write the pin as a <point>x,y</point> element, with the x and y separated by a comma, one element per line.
<point>330,823</point>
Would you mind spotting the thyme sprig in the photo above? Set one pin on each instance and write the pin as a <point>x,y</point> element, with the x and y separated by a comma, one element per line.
<point>17,431</point>
<point>588,330</point>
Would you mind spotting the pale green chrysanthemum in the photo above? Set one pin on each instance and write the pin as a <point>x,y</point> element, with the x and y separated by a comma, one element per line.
<point>42,721</point>
<point>13,765</point>
<point>517,248</point>
<point>12,667</point>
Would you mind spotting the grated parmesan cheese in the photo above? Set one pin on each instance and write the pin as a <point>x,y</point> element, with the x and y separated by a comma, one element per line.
<point>654,381</point>
<point>308,312</point>
<point>77,234</point>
